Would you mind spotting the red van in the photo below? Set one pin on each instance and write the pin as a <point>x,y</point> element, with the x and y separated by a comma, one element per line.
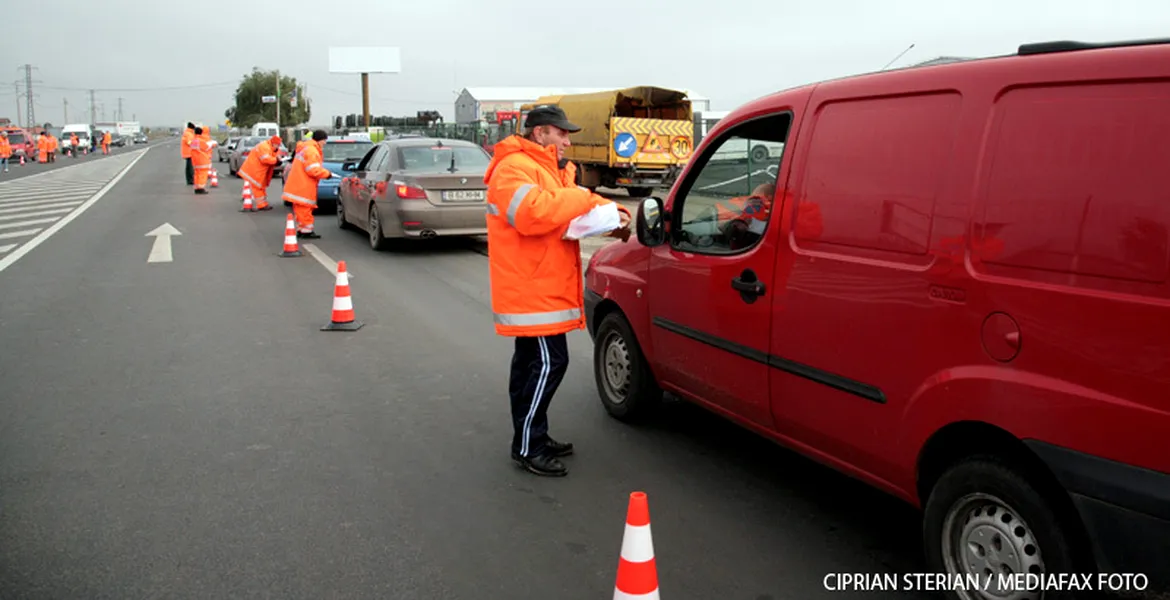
<point>953,284</point>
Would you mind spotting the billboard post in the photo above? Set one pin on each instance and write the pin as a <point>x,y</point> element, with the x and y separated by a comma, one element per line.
<point>365,60</point>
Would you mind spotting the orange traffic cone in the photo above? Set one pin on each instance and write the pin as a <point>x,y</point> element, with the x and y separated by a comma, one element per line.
<point>214,178</point>
<point>342,319</point>
<point>290,238</point>
<point>248,207</point>
<point>637,574</point>
<point>22,160</point>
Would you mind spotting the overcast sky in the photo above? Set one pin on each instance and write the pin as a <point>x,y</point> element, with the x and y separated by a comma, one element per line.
<point>729,51</point>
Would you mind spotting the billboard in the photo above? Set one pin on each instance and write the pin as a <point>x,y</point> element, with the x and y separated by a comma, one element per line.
<point>365,59</point>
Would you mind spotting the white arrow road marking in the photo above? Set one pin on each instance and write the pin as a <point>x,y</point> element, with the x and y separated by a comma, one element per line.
<point>161,251</point>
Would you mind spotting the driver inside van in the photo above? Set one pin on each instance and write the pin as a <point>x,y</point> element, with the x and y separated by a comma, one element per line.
<point>744,218</point>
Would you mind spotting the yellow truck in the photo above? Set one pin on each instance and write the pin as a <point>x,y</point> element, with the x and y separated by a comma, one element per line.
<point>637,138</point>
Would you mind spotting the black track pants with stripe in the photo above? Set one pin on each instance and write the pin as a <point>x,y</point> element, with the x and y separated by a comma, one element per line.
<point>538,366</point>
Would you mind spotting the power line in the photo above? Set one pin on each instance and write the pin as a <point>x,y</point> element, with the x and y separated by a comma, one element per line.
<point>153,89</point>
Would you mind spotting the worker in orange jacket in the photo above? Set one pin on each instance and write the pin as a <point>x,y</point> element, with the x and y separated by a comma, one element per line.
<point>257,170</point>
<point>43,146</point>
<point>301,187</point>
<point>106,139</point>
<point>200,160</point>
<point>5,150</point>
<point>536,280</point>
<point>185,152</point>
<point>74,145</point>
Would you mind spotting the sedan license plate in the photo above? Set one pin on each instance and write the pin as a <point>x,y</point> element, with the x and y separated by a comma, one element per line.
<point>462,195</point>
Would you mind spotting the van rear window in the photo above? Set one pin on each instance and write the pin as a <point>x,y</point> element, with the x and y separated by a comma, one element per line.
<point>1078,183</point>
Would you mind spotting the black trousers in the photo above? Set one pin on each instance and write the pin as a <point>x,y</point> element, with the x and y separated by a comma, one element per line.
<point>538,366</point>
<point>190,172</point>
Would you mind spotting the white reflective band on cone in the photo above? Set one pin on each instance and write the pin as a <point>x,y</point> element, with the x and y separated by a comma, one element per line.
<point>342,303</point>
<point>637,545</point>
<point>620,595</point>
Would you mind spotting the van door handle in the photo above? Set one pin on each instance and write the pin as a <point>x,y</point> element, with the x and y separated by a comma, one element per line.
<point>748,285</point>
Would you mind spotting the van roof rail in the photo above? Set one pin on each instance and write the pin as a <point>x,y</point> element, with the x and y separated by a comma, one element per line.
<point>1071,46</point>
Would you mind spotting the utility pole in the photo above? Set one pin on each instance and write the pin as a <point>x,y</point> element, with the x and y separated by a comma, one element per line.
<point>278,99</point>
<point>16,88</point>
<point>92,110</point>
<point>66,102</point>
<point>120,109</point>
<point>28,90</point>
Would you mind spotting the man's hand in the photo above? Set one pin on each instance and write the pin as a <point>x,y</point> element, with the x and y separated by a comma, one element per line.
<point>622,233</point>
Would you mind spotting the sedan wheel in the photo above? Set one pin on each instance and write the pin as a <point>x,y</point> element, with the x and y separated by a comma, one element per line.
<point>377,240</point>
<point>341,220</point>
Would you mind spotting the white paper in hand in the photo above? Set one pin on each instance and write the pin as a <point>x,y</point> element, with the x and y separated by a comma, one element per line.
<point>602,219</point>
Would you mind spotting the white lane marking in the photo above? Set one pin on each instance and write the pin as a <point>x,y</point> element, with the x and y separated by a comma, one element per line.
<point>8,211</point>
<point>160,252</point>
<point>34,203</point>
<point>55,211</point>
<point>4,249</point>
<point>324,259</point>
<point>4,184</point>
<point>47,190</point>
<point>7,261</point>
<point>16,234</point>
<point>27,223</point>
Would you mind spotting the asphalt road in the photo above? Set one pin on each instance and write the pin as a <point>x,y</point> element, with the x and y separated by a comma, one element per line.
<point>184,430</point>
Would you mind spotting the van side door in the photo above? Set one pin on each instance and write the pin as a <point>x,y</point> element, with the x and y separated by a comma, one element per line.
<point>712,283</point>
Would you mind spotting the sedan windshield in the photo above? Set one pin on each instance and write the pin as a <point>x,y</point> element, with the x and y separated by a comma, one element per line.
<point>437,159</point>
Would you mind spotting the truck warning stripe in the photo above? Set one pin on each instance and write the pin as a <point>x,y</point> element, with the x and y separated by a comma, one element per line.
<point>659,126</point>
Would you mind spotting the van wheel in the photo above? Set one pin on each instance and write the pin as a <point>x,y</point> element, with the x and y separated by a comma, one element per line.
<point>624,381</point>
<point>984,518</point>
<point>760,154</point>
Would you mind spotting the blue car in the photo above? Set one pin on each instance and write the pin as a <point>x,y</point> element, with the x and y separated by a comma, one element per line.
<point>334,152</point>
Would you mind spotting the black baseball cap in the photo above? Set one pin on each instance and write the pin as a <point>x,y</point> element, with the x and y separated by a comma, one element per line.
<point>548,114</point>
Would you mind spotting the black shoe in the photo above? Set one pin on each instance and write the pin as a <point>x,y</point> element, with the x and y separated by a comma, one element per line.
<point>556,448</point>
<point>308,236</point>
<point>545,465</point>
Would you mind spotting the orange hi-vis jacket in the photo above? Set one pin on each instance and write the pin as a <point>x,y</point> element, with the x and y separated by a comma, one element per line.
<point>5,148</point>
<point>303,175</point>
<point>257,169</point>
<point>74,141</point>
<point>106,138</point>
<point>536,283</point>
<point>185,143</point>
<point>200,153</point>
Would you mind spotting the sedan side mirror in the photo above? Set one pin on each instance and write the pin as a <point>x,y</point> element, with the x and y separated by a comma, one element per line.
<point>651,223</point>
<point>349,166</point>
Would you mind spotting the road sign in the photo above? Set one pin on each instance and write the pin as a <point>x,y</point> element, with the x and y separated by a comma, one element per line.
<point>268,99</point>
<point>625,144</point>
<point>680,147</point>
<point>652,145</point>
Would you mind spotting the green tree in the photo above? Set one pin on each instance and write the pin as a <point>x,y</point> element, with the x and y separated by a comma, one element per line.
<point>250,108</point>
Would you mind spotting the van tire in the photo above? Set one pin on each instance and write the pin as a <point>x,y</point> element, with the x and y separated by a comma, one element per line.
<point>625,383</point>
<point>1018,518</point>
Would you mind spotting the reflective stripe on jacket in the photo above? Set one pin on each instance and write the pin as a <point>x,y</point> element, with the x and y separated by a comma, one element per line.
<point>303,175</point>
<point>536,283</point>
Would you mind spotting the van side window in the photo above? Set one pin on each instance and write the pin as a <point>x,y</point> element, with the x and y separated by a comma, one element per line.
<point>724,204</point>
<point>873,172</point>
<point>1077,187</point>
